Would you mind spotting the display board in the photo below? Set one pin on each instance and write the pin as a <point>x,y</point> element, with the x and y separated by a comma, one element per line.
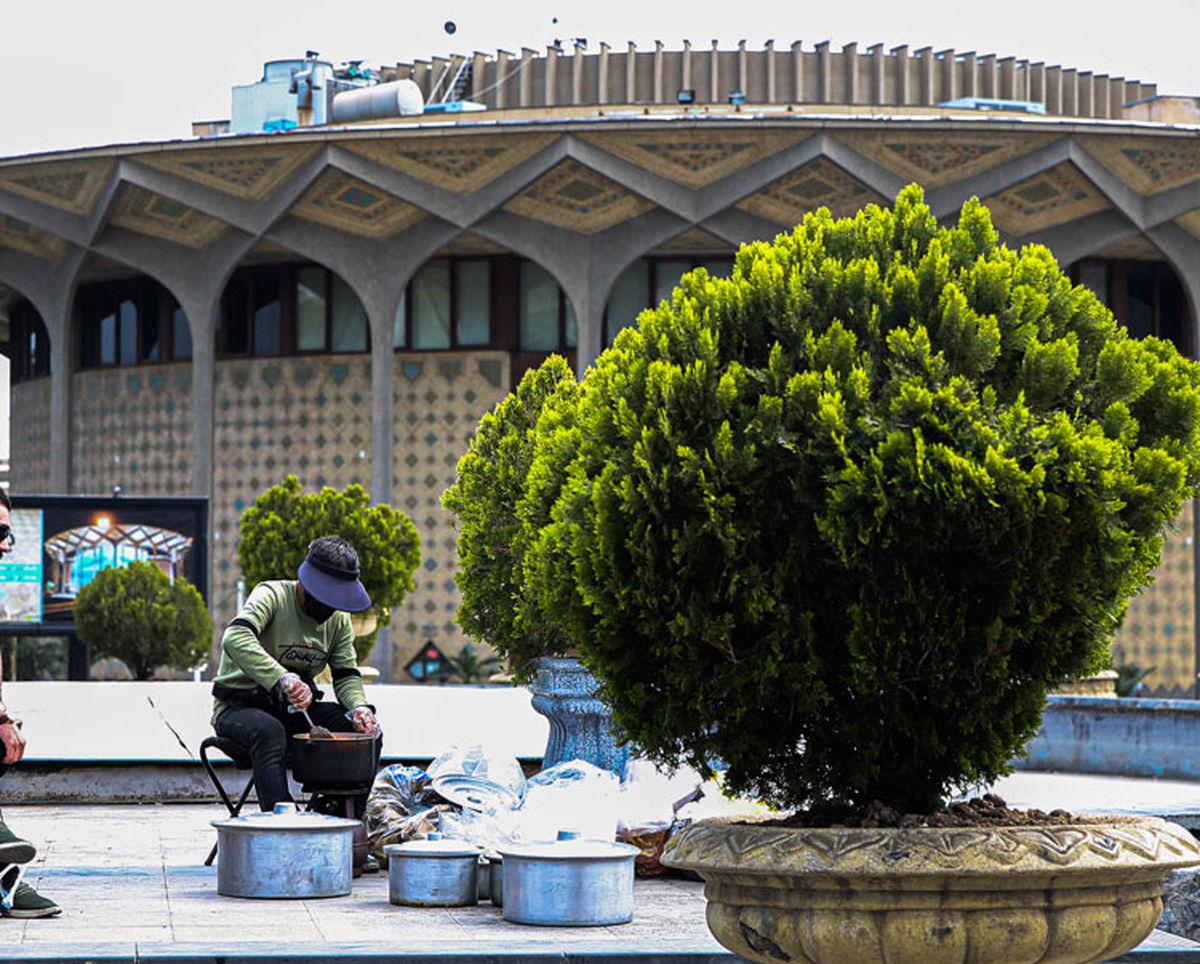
<point>62,542</point>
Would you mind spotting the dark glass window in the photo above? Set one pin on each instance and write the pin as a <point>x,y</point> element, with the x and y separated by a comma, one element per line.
<point>235,321</point>
<point>130,322</point>
<point>28,342</point>
<point>447,304</point>
<point>181,333</point>
<point>348,327</point>
<point>267,313</point>
<point>545,316</point>
<point>1147,297</point>
<point>127,321</point>
<point>311,307</point>
<point>648,281</point>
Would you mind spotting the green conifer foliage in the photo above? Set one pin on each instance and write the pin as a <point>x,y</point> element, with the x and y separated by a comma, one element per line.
<point>840,520</point>
<point>496,607</point>
<point>137,614</point>
<point>275,531</point>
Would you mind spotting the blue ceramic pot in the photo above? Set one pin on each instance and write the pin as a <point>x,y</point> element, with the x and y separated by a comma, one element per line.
<point>565,693</point>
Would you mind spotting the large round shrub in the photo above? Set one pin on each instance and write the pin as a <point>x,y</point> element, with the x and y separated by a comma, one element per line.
<point>143,618</point>
<point>840,520</point>
<point>496,606</point>
<point>274,533</point>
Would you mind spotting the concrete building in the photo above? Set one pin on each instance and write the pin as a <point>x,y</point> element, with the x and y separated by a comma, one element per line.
<point>344,300</point>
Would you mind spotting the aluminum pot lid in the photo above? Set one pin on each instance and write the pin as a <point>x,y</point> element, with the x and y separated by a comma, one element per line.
<point>570,846</point>
<point>285,817</point>
<point>475,793</point>
<point>433,846</point>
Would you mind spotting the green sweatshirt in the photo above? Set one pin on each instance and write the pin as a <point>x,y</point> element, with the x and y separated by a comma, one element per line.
<point>271,636</point>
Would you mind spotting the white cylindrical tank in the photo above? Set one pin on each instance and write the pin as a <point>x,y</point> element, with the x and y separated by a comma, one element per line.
<point>397,98</point>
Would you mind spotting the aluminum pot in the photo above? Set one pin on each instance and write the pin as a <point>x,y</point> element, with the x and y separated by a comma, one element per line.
<point>284,854</point>
<point>568,883</point>
<point>433,872</point>
<point>496,879</point>
<point>341,761</point>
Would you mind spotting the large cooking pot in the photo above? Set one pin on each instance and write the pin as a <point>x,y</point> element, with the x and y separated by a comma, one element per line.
<point>284,854</point>
<point>568,883</point>
<point>341,761</point>
<point>433,872</point>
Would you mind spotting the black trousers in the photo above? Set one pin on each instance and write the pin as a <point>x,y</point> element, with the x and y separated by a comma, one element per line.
<point>265,733</point>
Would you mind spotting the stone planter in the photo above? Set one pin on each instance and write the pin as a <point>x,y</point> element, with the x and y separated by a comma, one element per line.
<point>565,693</point>
<point>1067,894</point>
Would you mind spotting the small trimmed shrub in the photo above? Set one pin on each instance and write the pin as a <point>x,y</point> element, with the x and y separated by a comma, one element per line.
<point>136,614</point>
<point>496,608</point>
<point>840,520</point>
<point>275,531</point>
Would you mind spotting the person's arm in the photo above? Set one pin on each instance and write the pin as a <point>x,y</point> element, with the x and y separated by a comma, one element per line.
<point>347,680</point>
<point>10,731</point>
<point>240,641</point>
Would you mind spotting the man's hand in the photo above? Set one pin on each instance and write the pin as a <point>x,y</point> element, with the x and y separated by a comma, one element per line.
<point>14,742</point>
<point>296,690</point>
<point>364,721</point>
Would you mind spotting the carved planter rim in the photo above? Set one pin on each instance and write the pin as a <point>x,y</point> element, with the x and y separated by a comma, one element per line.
<point>1132,847</point>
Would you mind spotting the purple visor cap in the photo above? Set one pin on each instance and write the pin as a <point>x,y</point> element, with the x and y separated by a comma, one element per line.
<point>333,586</point>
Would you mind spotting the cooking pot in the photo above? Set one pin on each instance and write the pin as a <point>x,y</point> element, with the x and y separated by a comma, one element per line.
<point>433,872</point>
<point>568,883</point>
<point>284,854</point>
<point>340,761</point>
<point>496,879</point>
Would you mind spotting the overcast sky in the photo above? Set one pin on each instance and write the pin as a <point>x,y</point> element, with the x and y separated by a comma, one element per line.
<point>118,71</point>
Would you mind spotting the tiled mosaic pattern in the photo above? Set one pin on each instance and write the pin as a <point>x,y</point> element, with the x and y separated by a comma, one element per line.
<point>935,159</point>
<point>1150,164</point>
<point>29,443</point>
<point>73,185</point>
<point>251,173</point>
<point>695,158</point>
<point>1159,629</point>
<point>132,427</point>
<point>308,417</point>
<point>22,236</point>
<point>1052,197</point>
<point>572,196</point>
<point>819,183</point>
<point>438,401</point>
<point>148,213</point>
<point>459,163</point>
<point>345,202</point>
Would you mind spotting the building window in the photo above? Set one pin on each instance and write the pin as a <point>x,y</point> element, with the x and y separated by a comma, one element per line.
<point>286,309</point>
<point>446,305</point>
<point>545,315</point>
<point>28,343</point>
<point>430,664</point>
<point>135,321</point>
<point>648,281</point>
<point>1147,297</point>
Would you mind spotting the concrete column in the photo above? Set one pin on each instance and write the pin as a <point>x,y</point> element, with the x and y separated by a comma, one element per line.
<point>60,401</point>
<point>900,67</point>
<point>577,62</point>
<point>478,75</point>
<point>797,73</point>
<point>877,93</point>
<point>970,78</point>
<point>1086,99</point>
<point>824,87</point>
<point>202,318</point>
<point>949,89</point>
<point>770,60</point>
<point>741,68</point>
<point>602,74</point>
<point>658,72</point>
<point>382,372</point>
<point>714,74</point>
<point>987,72</point>
<point>631,73</point>
<point>685,67</point>
<point>1037,82</point>
<point>925,93</point>
<point>1054,90</point>
<point>1070,92</point>
<point>502,78</point>
<point>551,78</point>
<point>1008,78</point>
<point>526,78</point>
<point>850,67</point>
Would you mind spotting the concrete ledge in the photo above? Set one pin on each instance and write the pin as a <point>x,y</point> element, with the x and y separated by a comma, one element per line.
<point>1118,736</point>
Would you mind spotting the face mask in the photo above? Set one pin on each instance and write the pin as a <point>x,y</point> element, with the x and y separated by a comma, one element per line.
<point>317,610</point>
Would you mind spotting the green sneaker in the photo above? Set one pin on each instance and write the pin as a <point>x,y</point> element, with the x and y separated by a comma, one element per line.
<point>14,850</point>
<point>27,902</point>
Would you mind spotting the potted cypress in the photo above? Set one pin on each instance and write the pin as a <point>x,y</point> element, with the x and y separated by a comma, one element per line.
<point>493,524</point>
<point>838,522</point>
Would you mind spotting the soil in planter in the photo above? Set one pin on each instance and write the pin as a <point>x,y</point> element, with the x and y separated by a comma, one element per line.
<point>989,810</point>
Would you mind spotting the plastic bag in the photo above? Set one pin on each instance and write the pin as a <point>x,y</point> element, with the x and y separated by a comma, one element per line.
<point>647,804</point>
<point>481,766</point>
<point>574,794</point>
<point>400,806</point>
